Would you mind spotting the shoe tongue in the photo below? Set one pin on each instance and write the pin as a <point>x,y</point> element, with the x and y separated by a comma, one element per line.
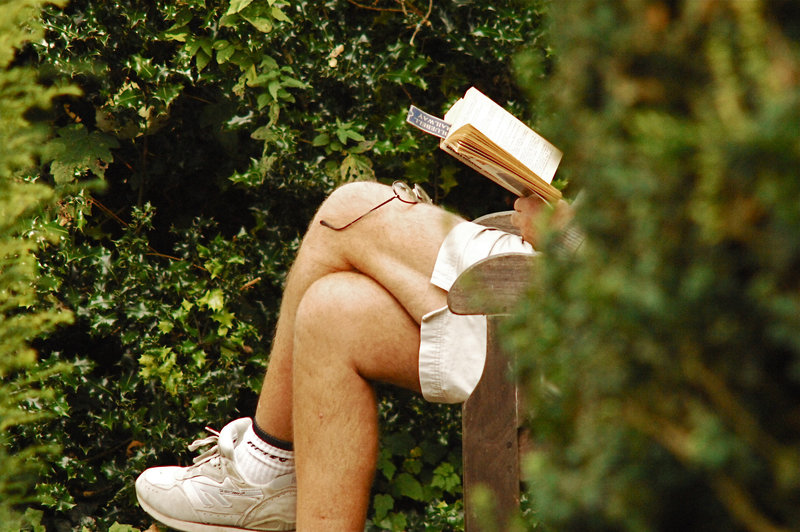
<point>231,434</point>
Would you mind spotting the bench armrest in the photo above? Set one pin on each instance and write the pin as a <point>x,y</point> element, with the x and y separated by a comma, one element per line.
<point>499,220</point>
<point>493,285</point>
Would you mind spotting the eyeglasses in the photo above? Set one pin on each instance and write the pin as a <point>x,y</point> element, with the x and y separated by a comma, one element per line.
<point>402,191</point>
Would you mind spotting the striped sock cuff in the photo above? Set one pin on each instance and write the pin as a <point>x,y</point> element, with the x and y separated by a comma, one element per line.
<point>272,440</point>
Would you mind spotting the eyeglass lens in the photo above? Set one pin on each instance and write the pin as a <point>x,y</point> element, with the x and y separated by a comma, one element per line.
<point>408,195</point>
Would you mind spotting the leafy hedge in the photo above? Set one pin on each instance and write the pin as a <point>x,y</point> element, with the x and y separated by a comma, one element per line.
<point>206,134</point>
<point>663,358</point>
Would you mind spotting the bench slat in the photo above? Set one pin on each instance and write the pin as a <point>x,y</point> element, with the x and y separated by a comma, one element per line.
<point>490,438</point>
<point>490,416</point>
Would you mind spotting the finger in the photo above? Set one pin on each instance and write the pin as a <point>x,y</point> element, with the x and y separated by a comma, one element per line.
<point>530,204</point>
<point>523,204</point>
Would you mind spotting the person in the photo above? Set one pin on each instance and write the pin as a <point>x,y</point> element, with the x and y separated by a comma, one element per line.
<point>364,301</point>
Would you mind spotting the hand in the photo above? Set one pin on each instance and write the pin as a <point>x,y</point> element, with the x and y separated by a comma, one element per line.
<point>527,217</point>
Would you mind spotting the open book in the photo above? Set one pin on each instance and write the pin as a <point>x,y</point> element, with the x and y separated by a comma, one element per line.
<point>492,141</point>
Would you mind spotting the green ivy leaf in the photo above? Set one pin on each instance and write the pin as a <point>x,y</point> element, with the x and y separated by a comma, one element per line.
<point>273,87</point>
<point>143,66</point>
<point>237,5</point>
<point>177,32</point>
<point>399,443</point>
<point>265,133</point>
<point>213,299</point>
<point>397,522</point>
<point>277,14</point>
<point>262,24</point>
<point>446,478</point>
<point>385,464</point>
<point>447,178</point>
<point>382,503</point>
<point>407,486</point>
<point>76,151</point>
<point>225,319</point>
<point>362,147</point>
<point>202,58</point>
<point>225,53</point>
<point>323,139</point>
<point>130,96</point>
<point>412,465</point>
<point>356,168</point>
<point>290,82</point>
<point>55,496</point>
<point>168,92</point>
<point>117,527</point>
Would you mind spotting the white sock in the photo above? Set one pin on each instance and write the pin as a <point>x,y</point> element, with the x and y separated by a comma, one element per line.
<point>258,461</point>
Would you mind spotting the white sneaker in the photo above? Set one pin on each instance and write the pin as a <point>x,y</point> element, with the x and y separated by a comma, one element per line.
<point>211,495</point>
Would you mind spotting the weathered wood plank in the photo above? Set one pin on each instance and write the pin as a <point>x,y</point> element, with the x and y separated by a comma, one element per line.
<point>493,285</point>
<point>490,437</point>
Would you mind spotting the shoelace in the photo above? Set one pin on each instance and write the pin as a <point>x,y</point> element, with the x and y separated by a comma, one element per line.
<point>209,454</point>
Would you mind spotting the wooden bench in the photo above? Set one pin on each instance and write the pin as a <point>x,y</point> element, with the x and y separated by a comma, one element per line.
<point>491,416</point>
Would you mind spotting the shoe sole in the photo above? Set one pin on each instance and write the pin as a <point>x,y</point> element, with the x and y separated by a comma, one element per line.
<point>189,526</point>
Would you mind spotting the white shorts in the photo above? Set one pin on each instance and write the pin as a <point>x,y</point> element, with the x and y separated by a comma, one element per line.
<point>452,349</point>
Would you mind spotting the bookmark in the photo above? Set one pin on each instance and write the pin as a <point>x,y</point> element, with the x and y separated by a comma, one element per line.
<point>427,123</point>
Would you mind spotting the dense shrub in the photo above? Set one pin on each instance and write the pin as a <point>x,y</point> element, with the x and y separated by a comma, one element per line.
<point>664,356</point>
<point>23,316</point>
<point>214,128</point>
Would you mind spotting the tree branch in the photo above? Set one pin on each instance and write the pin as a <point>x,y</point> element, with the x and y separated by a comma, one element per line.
<point>421,22</point>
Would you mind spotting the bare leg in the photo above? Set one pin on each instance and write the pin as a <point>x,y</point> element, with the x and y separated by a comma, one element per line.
<point>349,331</point>
<point>396,246</point>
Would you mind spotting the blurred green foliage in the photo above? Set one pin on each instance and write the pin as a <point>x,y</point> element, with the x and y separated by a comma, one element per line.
<point>663,358</point>
<point>24,316</point>
<point>205,134</point>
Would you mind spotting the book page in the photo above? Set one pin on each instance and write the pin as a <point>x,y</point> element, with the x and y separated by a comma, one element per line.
<point>508,132</point>
<point>510,182</point>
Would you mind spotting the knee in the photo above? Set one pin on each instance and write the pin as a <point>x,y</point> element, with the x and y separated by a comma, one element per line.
<point>359,191</point>
<point>353,199</point>
<point>330,313</point>
<point>316,305</point>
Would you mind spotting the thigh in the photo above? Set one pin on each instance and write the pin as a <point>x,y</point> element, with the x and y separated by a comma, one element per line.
<point>395,245</point>
<point>349,318</point>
